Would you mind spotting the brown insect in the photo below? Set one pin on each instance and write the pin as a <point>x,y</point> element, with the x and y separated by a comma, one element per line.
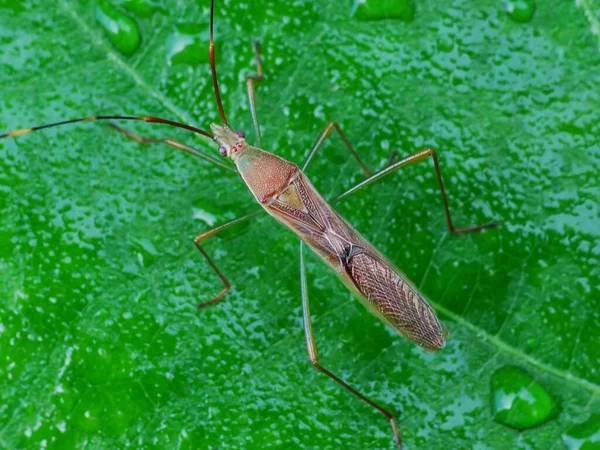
<point>282,189</point>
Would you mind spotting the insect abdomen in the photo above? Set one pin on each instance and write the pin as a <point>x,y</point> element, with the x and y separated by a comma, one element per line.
<point>395,300</point>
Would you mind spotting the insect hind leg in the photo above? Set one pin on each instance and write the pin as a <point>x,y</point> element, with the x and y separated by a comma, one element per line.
<point>314,359</point>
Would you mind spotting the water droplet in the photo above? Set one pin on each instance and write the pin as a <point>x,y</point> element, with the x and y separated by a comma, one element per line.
<point>518,401</point>
<point>146,251</point>
<point>532,342</point>
<point>445,44</point>
<point>122,30</point>
<point>584,436</point>
<point>187,46</point>
<point>521,11</point>
<point>383,9</point>
<point>141,8</point>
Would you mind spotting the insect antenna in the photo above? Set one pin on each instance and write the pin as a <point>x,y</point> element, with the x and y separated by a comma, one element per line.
<point>149,119</point>
<point>213,65</point>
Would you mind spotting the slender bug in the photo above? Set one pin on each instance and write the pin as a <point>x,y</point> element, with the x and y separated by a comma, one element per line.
<point>283,191</point>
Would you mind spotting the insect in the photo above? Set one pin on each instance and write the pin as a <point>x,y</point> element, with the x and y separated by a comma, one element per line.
<point>283,191</point>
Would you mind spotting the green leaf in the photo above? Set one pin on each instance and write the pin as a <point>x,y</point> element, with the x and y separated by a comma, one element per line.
<point>100,341</point>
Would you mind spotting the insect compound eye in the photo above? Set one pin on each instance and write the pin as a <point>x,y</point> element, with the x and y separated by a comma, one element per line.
<point>240,134</point>
<point>223,150</point>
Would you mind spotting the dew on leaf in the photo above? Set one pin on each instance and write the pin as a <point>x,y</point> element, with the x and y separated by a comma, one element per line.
<point>141,8</point>
<point>383,9</point>
<point>518,401</point>
<point>121,30</point>
<point>186,45</point>
<point>584,436</point>
<point>511,150</point>
<point>146,251</point>
<point>532,342</point>
<point>521,11</point>
<point>445,44</point>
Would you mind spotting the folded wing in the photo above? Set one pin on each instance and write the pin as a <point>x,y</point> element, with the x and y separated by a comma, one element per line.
<point>394,299</point>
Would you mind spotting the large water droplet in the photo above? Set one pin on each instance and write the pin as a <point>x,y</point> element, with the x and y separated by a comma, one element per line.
<point>187,46</point>
<point>383,9</point>
<point>141,8</point>
<point>518,401</point>
<point>521,10</point>
<point>122,30</point>
<point>584,436</point>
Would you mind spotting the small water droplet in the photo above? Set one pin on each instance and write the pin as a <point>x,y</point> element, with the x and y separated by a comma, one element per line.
<point>121,30</point>
<point>383,9</point>
<point>521,11</point>
<point>584,436</point>
<point>518,401</point>
<point>146,251</point>
<point>532,342</point>
<point>187,46</point>
<point>445,44</point>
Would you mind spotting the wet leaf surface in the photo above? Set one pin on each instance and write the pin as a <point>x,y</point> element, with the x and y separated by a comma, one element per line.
<point>101,344</point>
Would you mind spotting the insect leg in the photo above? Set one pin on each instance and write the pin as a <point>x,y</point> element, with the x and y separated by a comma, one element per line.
<point>204,236</point>
<point>393,156</point>
<point>251,81</point>
<point>314,359</point>
<point>415,157</point>
<point>321,139</point>
<point>173,143</point>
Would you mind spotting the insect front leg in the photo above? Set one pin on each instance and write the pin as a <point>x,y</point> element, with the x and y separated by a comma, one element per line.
<point>208,234</point>
<point>173,143</point>
<point>416,157</point>
<point>314,359</point>
<point>251,81</point>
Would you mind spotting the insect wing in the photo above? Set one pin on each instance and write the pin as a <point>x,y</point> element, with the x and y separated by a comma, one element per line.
<point>384,290</point>
<point>395,300</point>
